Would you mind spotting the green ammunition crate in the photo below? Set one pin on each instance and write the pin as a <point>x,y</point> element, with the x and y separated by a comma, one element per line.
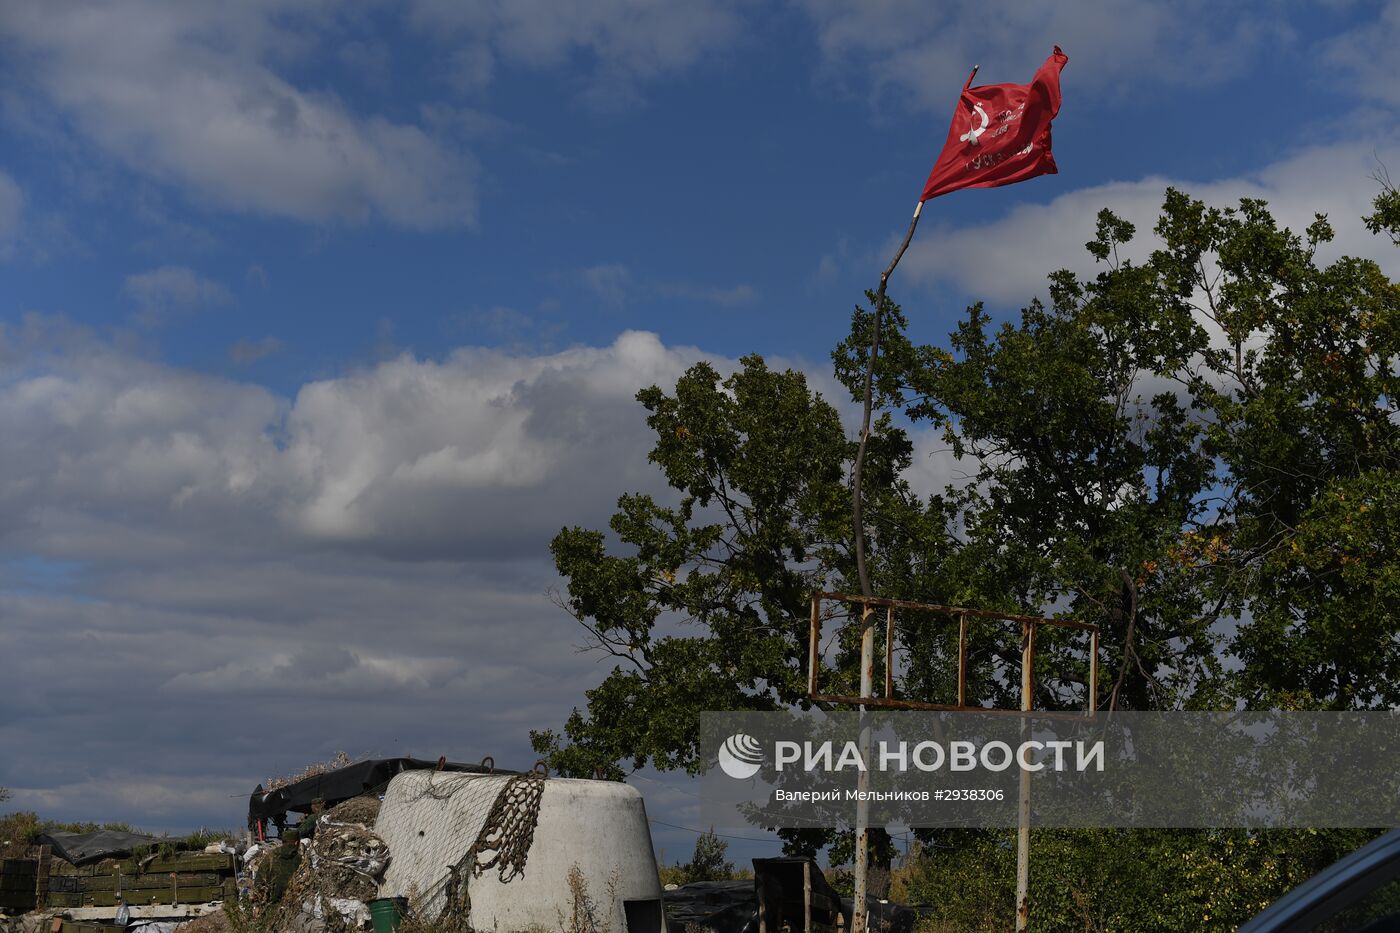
<point>196,895</point>
<point>151,880</point>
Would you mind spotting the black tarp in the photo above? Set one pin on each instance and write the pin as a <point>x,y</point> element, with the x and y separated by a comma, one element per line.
<point>732,906</point>
<point>716,906</point>
<point>370,776</point>
<point>82,848</point>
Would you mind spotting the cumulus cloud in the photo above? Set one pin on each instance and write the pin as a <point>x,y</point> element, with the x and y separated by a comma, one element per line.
<point>169,291</point>
<point>370,552</point>
<point>1369,56</point>
<point>922,52</point>
<point>1007,260</point>
<point>204,582</point>
<point>188,94</point>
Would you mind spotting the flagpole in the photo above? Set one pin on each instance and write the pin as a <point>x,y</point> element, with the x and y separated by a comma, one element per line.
<point>862,571</point>
<point>867,639</point>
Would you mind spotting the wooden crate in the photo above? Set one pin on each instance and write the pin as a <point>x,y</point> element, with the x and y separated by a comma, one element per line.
<point>19,879</point>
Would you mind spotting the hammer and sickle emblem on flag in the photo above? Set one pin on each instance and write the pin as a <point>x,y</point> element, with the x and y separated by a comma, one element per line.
<point>971,135</point>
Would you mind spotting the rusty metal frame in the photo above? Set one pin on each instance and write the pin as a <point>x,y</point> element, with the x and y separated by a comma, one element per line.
<point>1028,624</point>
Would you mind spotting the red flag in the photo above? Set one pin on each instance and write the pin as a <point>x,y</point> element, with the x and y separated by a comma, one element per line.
<point>1000,133</point>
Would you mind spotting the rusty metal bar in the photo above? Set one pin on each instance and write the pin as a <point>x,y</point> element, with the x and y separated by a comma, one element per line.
<point>962,659</point>
<point>1027,665</point>
<point>1093,703</point>
<point>1023,814</point>
<point>889,653</point>
<point>859,920</point>
<point>963,614</point>
<point>954,610</point>
<point>885,703</point>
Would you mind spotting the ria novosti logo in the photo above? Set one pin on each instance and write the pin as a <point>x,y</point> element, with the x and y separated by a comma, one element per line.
<point>740,756</point>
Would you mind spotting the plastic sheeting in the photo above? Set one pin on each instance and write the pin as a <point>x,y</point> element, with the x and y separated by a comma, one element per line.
<point>83,848</point>
<point>370,776</point>
<point>715,906</point>
<point>732,906</point>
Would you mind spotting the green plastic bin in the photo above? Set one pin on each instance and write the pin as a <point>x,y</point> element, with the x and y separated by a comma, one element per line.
<point>386,913</point>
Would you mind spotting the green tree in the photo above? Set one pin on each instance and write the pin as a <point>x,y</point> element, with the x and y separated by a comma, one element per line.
<point>708,862</point>
<point>1197,451</point>
<point>706,608</point>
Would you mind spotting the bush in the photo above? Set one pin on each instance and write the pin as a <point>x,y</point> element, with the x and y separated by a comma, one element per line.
<point>1096,881</point>
<point>17,833</point>
<point>707,863</point>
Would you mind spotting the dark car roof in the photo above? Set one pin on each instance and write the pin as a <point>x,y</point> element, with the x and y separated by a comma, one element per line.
<point>1331,889</point>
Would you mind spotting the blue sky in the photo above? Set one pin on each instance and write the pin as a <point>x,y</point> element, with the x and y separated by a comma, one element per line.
<point>319,319</point>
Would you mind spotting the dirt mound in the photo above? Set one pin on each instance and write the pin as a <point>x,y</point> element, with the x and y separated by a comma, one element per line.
<point>217,922</point>
<point>362,810</point>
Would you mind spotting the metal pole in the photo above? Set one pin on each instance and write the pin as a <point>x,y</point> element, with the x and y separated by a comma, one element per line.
<point>889,653</point>
<point>1093,703</point>
<point>1023,816</point>
<point>962,658</point>
<point>867,686</point>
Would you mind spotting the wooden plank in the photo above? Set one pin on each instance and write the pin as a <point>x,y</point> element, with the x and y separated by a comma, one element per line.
<point>41,881</point>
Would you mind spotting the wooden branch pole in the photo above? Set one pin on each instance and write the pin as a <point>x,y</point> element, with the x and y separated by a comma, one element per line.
<point>862,571</point>
<point>867,646</point>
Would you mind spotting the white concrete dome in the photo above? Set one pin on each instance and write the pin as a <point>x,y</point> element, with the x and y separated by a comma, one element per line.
<point>430,819</point>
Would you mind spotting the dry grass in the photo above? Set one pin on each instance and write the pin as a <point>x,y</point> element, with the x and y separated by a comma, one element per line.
<point>321,767</point>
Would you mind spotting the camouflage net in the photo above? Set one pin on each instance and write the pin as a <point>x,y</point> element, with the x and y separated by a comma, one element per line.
<point>507,835</point>
<point>342,862</point>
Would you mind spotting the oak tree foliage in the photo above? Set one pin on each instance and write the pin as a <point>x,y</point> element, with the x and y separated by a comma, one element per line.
<point>1198,450</point>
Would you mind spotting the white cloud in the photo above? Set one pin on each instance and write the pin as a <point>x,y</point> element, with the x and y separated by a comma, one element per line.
<point>368,556</point>
<point>627,40</point>
<point>1007,260</point>
<point>1369,56</point>
<point>168,291</point>
<point>482,453</point>
<point>187,94</point>
<point>923,51</point>
<point>369,549</point>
